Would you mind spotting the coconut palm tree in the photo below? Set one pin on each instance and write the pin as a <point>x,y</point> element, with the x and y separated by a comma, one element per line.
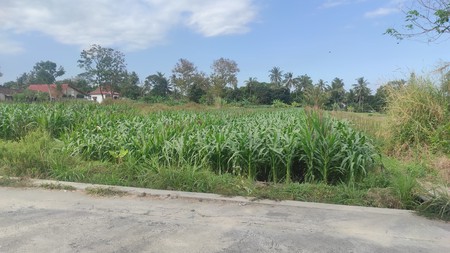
<point>276,75</point>
<point>288,80</point>
<point>362,92</point>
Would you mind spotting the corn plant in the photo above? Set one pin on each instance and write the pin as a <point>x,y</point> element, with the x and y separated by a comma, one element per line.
<point>269,145</point>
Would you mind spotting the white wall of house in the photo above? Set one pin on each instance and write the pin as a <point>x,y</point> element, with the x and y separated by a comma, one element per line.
<point>97,98</point>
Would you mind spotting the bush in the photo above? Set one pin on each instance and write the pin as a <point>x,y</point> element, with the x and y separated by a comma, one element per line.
<point>417,111</point>
<point>279,104</point>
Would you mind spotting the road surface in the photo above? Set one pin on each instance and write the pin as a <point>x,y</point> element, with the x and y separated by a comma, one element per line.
<point>40,220</point>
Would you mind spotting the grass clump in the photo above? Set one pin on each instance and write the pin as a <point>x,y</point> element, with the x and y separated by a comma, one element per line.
<point>419,116</point>
<point>38,155</point>
<point>105,191</point>
<point>52,186</point>
<point>437,205</point>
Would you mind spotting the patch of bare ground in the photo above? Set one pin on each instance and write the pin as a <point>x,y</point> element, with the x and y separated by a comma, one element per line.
<point>442,165</point>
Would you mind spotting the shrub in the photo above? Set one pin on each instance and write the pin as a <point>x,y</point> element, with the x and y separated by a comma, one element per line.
<point>417,111</point>
<point>279,104</point>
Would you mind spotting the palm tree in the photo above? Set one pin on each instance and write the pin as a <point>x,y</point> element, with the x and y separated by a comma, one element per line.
<point>303,83</point>
<point>362,92</point>
<point>288,80</point>
<point>250,83</point>
<point>158,84</point>
<point>337,91</point>
<point>322,85</point>
<point>275,76</point>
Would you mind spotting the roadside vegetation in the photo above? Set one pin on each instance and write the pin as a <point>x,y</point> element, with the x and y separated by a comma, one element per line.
<point>278,153</point>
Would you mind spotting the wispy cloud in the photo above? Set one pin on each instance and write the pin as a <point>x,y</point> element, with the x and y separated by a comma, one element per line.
<point>336,3</point>
<point>131,24</point>
<point>392,7</point>
<point>380,12</point>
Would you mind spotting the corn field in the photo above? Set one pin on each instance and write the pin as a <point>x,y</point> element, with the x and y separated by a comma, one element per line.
<point>282,145</point>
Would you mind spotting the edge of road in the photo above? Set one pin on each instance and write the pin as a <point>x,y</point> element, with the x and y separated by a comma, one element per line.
<point>164,194</point>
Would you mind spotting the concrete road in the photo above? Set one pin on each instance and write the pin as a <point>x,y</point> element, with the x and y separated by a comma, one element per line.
<point>39,220</point>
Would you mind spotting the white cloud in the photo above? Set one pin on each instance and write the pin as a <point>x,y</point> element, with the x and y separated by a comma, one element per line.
<point>392,7</point>
<point>336,3</point>
<point>8,46</point>
<point>380,12</point>
<point>131,24</point>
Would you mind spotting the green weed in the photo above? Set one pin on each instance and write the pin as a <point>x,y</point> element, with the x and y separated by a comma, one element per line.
<point>105,191</point>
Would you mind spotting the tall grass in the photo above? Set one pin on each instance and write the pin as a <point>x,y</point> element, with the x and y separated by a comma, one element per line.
<point>419,115</point>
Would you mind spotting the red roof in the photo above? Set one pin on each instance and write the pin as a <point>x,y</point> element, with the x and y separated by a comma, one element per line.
<point>105,90</point>
<point>53,89</point>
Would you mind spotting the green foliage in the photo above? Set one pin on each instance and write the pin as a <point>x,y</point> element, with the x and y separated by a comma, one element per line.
<point>419,114</point>
<point>429,18</point>
<point>361,95</point>
<point>46,72</point>
<point>279,104</point>
<point>104,66</point>
<point>33,155</point>
<point>217,151</point>
<point>157,85</point>
<point>440,139</point>
<point>288,145</point>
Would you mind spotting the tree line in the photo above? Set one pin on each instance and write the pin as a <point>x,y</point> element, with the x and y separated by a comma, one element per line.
<point>105,68</point>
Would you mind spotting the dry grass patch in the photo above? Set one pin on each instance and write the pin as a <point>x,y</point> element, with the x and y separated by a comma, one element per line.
<point>105,191</point>
<point>442,165</point>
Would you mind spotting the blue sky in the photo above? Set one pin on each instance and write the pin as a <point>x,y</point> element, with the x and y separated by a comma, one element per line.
<point>322,38</point>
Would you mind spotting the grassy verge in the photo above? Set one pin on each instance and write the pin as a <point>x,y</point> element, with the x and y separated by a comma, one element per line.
<point>176,165</point>
<point>392,187</point>
<point>408,168</point>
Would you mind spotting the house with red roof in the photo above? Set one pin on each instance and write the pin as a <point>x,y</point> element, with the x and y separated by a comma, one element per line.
<point>103,93</point>
<point>58,91</point>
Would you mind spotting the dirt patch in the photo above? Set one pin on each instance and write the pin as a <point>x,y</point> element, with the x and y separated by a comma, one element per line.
<point>442,165</point>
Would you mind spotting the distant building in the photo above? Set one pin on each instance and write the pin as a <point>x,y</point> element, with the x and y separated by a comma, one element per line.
<point>58,91</point>
<point>6,94</point>
<point>105,93</point>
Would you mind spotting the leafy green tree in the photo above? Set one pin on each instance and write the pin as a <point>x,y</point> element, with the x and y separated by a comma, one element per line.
<point>276,76</point>
<point>183,75</point>
<point>104,66</point>
<point>21,82</point>
<point>425,17</point>
<point>129,87</point>
<point>10,84</point>
<point>262,93</point>
<point>379,101</point>
<point>201,89</point>
<point>158,85</point>
<point>46,72</point>
<point>223,75</point>
<point>196,93</point>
